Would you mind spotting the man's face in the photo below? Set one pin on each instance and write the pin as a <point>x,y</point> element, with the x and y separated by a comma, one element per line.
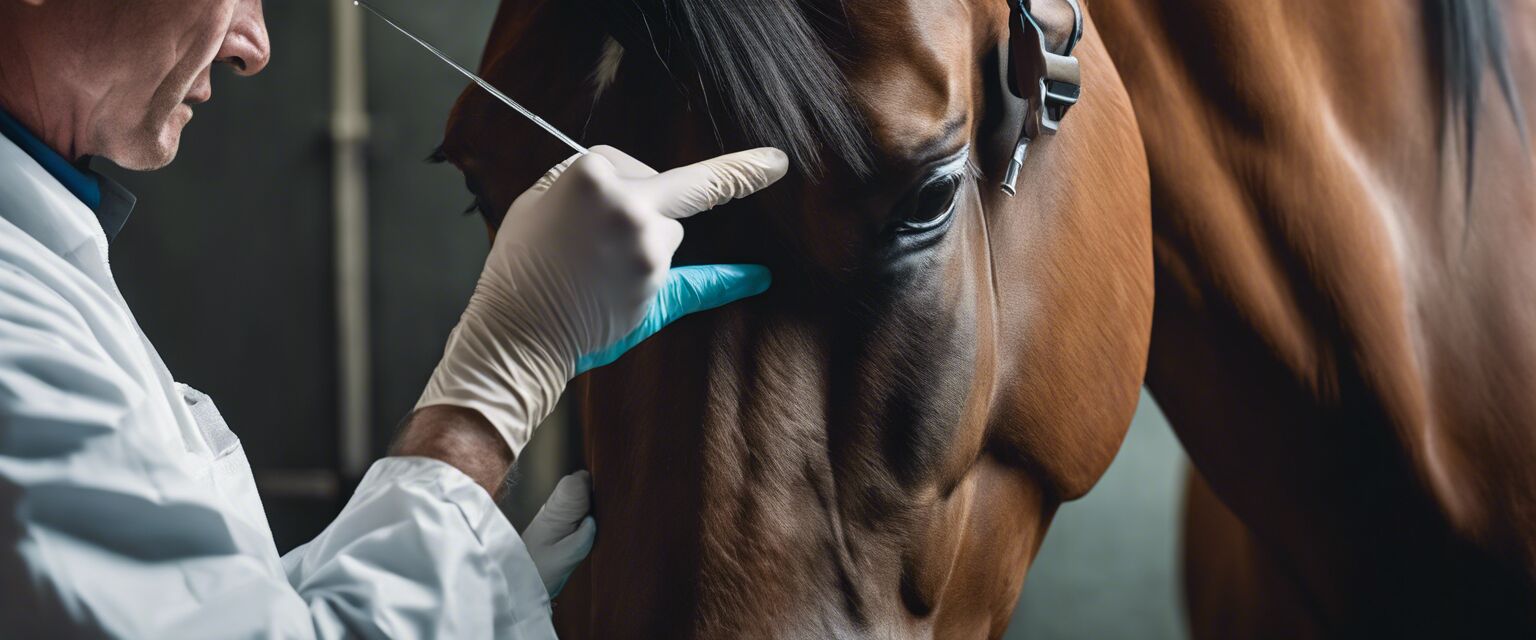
<point>155,64</point>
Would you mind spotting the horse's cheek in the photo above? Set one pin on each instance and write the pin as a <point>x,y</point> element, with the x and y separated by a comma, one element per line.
<point>1073,264</point>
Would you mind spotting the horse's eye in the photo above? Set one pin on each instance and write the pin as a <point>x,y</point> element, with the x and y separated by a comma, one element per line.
<point>933,204</point>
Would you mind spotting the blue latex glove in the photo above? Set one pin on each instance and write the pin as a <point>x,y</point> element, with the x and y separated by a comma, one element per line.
<point>687,290</point>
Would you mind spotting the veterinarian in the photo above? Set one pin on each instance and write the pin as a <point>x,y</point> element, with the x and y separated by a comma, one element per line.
<point>127,507</point>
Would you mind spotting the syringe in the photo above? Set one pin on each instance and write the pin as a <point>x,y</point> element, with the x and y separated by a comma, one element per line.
<point>483,84</point>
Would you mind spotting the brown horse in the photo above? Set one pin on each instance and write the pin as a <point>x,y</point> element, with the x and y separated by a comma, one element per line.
<point>875,447</point>
<point>1343,334</point>
<point>1344,218</point>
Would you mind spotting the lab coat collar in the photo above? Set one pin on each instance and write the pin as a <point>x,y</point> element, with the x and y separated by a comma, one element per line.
<point>110,201</point>
<point>116,205</point>
<point>39,205</point>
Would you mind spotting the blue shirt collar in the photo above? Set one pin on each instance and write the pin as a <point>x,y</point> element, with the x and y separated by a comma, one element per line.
<point>107,199</point>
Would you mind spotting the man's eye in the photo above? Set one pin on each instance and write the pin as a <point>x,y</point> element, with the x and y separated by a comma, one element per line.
<point>932,205</point>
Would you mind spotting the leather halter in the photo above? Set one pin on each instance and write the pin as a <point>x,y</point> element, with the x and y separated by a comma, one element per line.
<point>1048,82</point>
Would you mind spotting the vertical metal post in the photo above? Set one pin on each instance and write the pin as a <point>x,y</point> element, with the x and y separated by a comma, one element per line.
<point>349,186</point>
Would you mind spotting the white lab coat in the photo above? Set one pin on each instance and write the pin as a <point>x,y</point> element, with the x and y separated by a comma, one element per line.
<point>128,509</point>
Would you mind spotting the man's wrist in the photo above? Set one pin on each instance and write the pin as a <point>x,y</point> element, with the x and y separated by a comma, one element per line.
<point>460,437</point>
<point>512,376</point>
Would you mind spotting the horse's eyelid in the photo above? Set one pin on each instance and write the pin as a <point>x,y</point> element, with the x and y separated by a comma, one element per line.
<point>971,170</point>
<point>959,162</point>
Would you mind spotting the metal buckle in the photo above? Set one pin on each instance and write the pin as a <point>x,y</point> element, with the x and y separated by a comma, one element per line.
<point>1048,82</point>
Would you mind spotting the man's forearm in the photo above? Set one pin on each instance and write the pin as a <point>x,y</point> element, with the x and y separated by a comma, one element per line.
<point>460,437</point>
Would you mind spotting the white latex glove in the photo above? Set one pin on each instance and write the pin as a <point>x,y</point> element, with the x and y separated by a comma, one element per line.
<point>561,535</point>
<point>578,262</point>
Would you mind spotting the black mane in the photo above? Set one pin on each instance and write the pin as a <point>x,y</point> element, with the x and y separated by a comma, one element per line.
<point>1471,35</point>
<point>769,62</point>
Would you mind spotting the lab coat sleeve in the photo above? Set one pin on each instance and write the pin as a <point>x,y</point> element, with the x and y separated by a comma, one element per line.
<point>105,530</point>
<point>423,539</point>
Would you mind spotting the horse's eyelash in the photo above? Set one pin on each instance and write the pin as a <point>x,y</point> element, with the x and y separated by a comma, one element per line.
<point>971,171</point>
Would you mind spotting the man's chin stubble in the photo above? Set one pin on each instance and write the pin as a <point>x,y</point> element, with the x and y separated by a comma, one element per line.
<point>149,148</point>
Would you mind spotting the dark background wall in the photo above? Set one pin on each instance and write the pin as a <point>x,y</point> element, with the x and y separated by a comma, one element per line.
<point>228,263</point>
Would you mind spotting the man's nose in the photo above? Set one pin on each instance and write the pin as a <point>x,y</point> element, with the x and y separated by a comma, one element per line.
<point>247,47</point>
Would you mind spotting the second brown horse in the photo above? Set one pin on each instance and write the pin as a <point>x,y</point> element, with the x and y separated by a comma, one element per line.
<point>1344,215</point>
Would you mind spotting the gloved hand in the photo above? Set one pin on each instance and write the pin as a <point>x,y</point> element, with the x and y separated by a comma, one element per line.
<point>581,259</point>
<point>561,535</point>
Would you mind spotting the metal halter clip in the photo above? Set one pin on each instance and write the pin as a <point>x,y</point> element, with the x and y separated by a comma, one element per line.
<point>1048,82</point>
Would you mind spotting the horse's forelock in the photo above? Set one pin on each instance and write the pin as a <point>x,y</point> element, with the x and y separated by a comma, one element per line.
<point>765,61</point>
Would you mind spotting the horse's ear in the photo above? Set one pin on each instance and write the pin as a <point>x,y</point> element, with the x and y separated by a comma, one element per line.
<point>539,52</point>
<point>512,16</point>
